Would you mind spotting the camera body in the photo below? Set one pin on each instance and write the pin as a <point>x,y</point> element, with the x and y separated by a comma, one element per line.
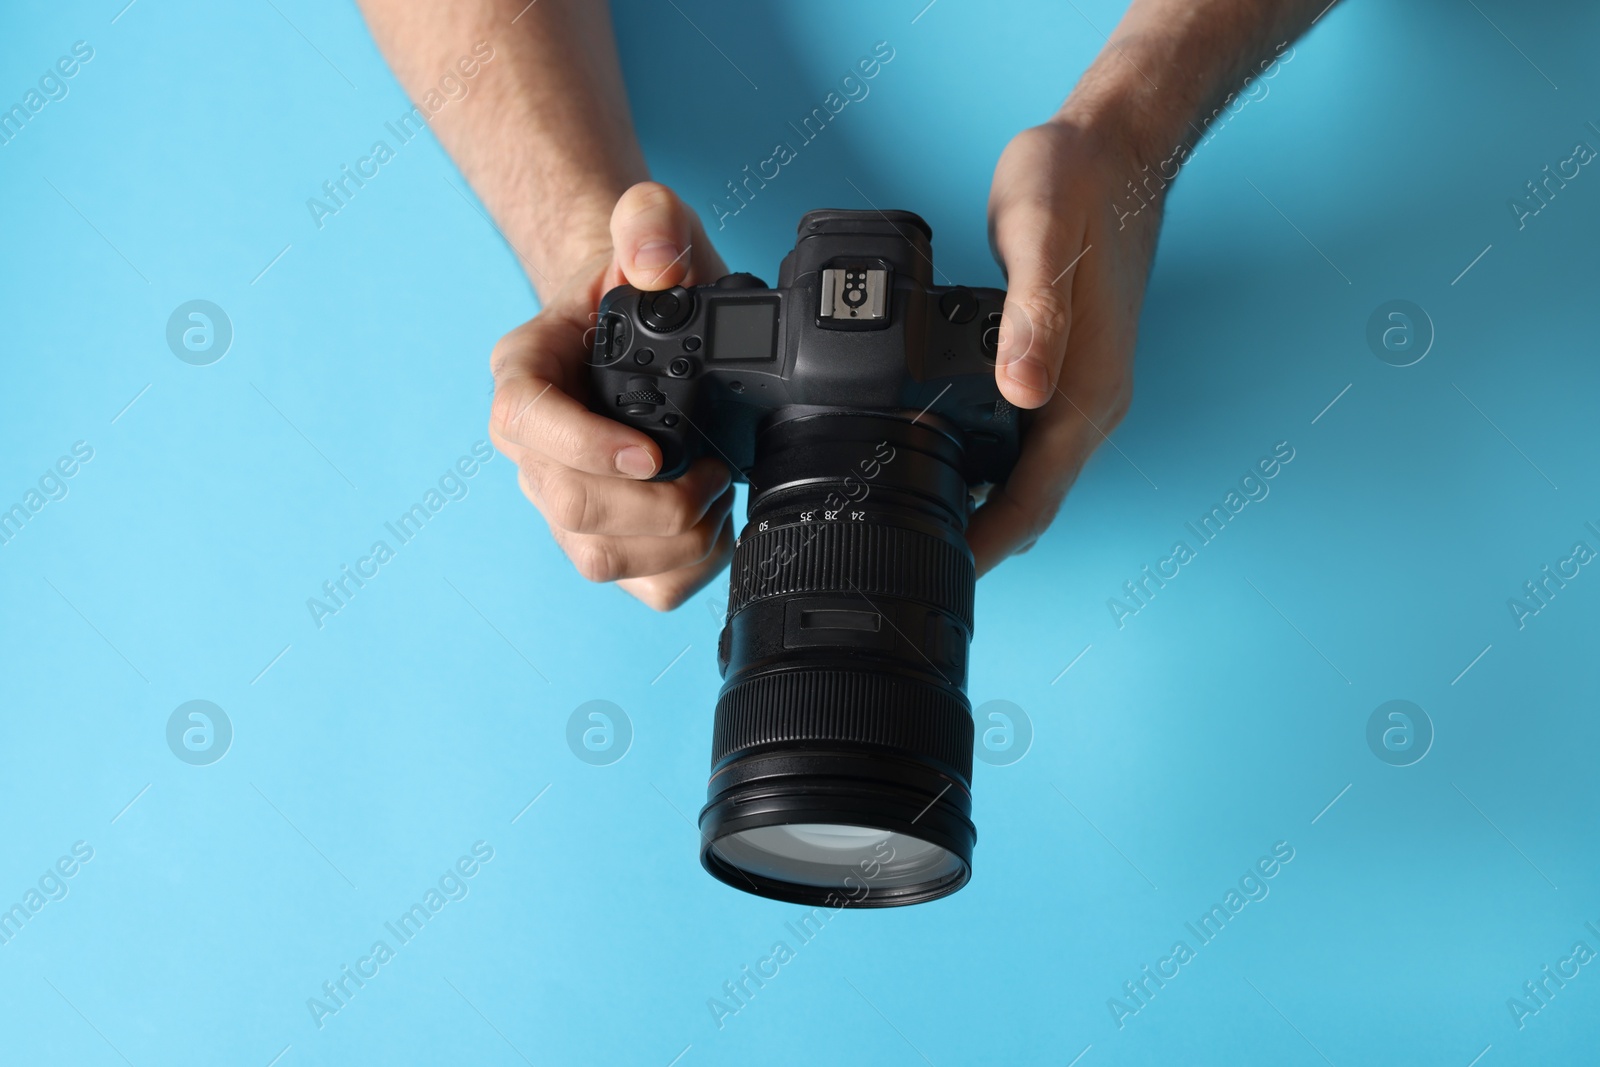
<point>856,323</point>
<point>858,400</point>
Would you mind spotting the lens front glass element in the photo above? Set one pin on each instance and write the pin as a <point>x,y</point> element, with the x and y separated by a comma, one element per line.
<point>837,855</point>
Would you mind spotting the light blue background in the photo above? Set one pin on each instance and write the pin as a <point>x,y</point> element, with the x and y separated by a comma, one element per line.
<point>428,713</point>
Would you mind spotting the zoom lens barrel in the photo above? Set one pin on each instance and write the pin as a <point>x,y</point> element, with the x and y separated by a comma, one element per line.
<point>842,749</point>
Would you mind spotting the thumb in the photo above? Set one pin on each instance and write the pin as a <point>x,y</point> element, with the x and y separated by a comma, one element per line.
<point>657,238</point>
<point>1039,267</point>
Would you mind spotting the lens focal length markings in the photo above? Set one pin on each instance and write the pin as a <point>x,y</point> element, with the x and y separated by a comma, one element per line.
<point>809,515</point>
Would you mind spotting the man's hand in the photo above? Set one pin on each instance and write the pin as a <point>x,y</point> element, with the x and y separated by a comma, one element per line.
<point>1073,217</point>
<point>661,541</point>
<point>542,131</point>
<point>1075,273</point>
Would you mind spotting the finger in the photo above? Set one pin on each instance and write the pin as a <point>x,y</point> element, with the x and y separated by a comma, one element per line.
<point>659,242</point>
<point>536,372</point>
<point>610,559</point>
<point>592,504</point>
<point>1040,263</point>
<point>1017,514</point>
<point>1093,397</point>
<point>543,347</point>
<point>531,413</point>
<point>667,591</point>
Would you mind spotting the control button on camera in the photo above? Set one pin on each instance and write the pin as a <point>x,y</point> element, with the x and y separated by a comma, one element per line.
<point>691,344</point>
<point>959,305</point>
<point>740,281</point>
<point>667,310</point>
<point>640,401</point>
<point>642,397</point>
<point>679,368</point>
<point>991,335</point>
<point>643,356</point>
<point>611,334</point>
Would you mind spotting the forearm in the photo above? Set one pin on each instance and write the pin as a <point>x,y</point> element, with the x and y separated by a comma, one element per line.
<point>1170,65</point>
<point>543,134</point>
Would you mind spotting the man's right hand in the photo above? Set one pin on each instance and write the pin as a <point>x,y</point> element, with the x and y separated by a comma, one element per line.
<point>661,541</point>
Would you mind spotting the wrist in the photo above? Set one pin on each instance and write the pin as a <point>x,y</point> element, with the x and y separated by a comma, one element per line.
<point>1171,66</point>
<point>1139,125</point>
<point>560,234</point>
<point>1125,138</point>
<point>572,234</point>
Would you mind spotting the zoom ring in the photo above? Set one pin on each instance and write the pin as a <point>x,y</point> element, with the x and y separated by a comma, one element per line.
<point>853,558</point>
<point>845,706</point>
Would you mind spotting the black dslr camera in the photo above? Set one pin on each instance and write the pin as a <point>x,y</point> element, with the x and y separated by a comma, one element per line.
<point>858,399</point>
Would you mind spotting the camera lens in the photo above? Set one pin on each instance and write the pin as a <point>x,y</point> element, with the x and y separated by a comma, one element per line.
<point>831,855</point>
<point>842,750</point>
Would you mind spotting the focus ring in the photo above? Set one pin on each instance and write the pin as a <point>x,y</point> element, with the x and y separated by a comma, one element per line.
<point>852,707</point>
<point>850,558</point>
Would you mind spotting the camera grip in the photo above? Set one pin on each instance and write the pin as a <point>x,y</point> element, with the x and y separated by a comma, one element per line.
<point>628,383</point>
<point>653,407</point>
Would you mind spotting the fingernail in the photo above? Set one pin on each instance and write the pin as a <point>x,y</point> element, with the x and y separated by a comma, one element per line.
<point>1029,374</point>
<point>656,255</point>
<point>635,462</point>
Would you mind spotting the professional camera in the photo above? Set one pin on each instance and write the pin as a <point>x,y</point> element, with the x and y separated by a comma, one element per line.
<point>858,400</point>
